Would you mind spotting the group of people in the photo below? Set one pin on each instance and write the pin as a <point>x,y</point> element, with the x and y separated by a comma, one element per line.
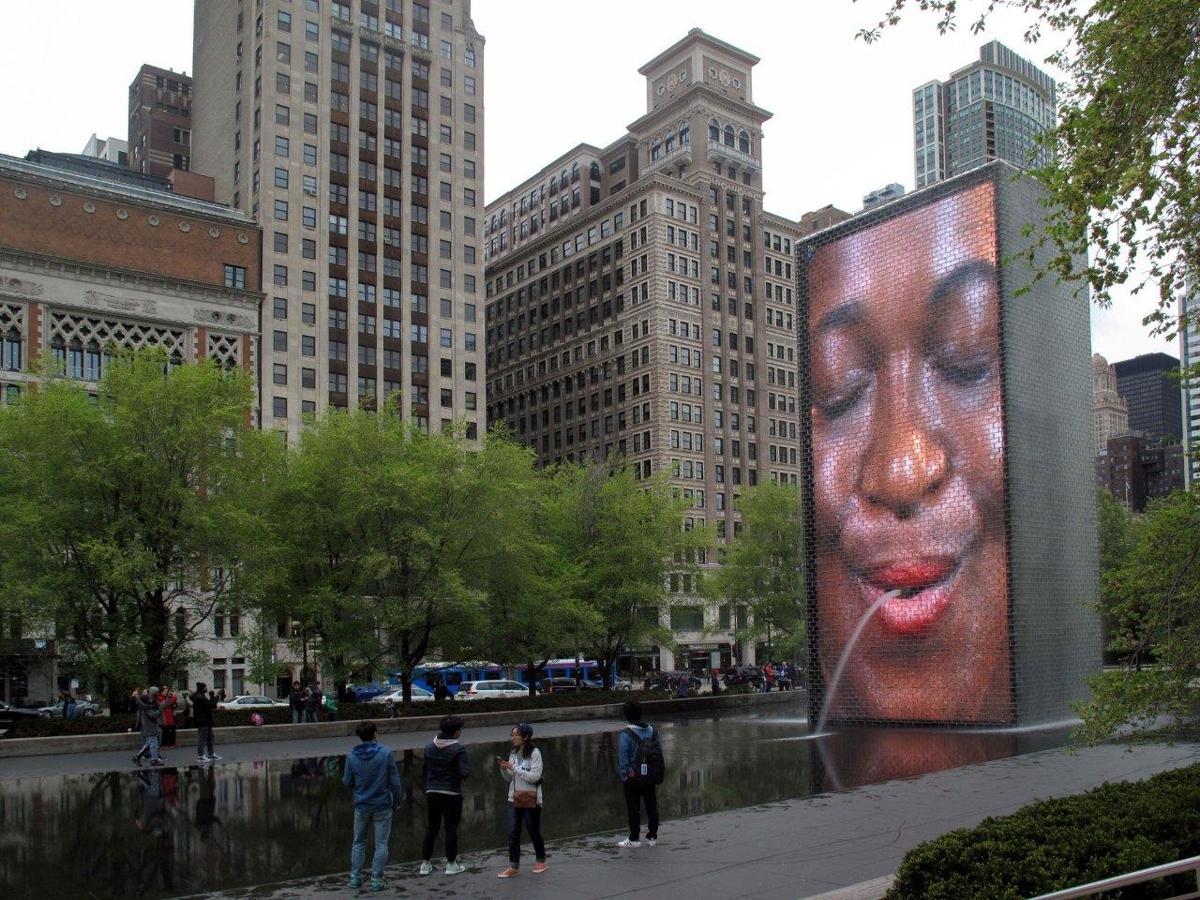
<point>160,713</point>
<point>371,772</point>
<point>305,702</point>
<point>776,677</point>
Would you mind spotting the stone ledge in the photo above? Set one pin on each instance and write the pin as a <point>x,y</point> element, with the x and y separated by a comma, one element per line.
<point>247,734</point>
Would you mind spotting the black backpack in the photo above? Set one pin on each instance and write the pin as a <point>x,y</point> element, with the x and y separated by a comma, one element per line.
<point>649,766</point>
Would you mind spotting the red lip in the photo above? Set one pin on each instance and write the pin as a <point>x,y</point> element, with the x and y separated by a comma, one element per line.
<point>926,589</point>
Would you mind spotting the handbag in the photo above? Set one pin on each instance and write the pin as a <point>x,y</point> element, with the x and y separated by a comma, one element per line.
<point>524,800</point>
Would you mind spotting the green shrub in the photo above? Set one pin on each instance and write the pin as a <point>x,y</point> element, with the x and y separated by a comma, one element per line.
<point>1056,844</point>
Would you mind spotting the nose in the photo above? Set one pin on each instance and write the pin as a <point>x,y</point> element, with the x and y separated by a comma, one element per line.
<point>906,463</point>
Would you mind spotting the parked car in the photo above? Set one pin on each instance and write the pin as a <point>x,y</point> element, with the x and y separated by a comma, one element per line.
<point>561,685</point>
<point>751,675</point>
<point>13,717</point>
<point>595,684</point>
<point>669,681</point>
<point>365,692</point>
<point>490,690</point>
<point>250,701</point>
<point>419,695</point>
<point>82,708</point>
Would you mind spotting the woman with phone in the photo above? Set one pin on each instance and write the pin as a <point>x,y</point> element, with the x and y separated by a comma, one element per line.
<point>523,771</point>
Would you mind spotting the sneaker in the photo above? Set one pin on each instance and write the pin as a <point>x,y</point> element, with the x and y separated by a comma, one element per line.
<point>201,759</point>
<point>540,867</point>
<point>356,881</point>
<point>213,757</point>
<point>510,872</point>
<point>457,868</point>
<point>628,843</point>
<point>426,869</point>
<point>137,761</point>
<point>156,762</point>
<point>650,842</point>
<point>377,884</point>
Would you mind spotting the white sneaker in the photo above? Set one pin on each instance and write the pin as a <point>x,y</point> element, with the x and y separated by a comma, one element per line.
<point>650,842</point>
<point>628,843</point>
<point>201,759</point>
<point>213,758</point>
<point>455,868</point>
<point>426,869</point>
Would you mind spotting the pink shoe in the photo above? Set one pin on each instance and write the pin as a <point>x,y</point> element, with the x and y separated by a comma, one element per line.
<point>510,872</point>
<point>540,867</point>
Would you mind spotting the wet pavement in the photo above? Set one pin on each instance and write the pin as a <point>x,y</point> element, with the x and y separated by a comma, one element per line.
<point>752,803</point>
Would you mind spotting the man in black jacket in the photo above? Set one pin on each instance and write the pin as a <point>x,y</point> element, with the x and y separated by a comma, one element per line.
<point>296,702</point>
<point>202,719</point>
<point>446,767</point>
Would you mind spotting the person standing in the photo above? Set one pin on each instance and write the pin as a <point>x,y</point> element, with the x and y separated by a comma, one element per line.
<point>202,718</point>
<point>312,702</point>
<point>716,682</point>
<point>641,767</point>
<point>769,673</point>
<point>441,692</point>
<point>167,705</point>
<point>372,774</point>
<point>183,710</point>
<point>296,703</point>
<point>523,771</point>
<point>446,767</point>
<point>149,718</point>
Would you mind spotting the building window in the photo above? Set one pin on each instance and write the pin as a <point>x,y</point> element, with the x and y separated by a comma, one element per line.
<point>235,277</point>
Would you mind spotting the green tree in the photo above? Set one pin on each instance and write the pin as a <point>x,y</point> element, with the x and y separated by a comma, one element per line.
<point>763,569</point>
<point>1122,192</point>
<point>384,535</point>
<point>1153,602</point>
<point>626,536</point>
<point>129,508</point>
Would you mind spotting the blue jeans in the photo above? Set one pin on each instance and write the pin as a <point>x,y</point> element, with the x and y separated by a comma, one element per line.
<point>383,830</point>
<point>150,747</point>
<point>532,819</point>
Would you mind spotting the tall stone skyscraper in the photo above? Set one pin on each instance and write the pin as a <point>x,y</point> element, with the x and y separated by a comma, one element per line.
<point>1110,411</point>
<point>353,131</point>
<point>641,302</point>
<point>992,109</point>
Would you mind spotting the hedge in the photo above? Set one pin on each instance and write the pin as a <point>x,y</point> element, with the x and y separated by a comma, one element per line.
<point>1055,844</point>
<point>281,715</point>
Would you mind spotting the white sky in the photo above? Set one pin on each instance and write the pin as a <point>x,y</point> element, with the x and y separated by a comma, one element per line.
<point>558,72</point>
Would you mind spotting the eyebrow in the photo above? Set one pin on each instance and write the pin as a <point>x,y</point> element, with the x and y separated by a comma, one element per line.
<point>949,284</point>
<point>844,316</point>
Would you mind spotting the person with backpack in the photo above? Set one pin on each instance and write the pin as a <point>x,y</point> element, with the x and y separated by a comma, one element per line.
<point>642,768</point>
<point>523,771</point>
<point>446,767</point>
<point>372,774</point>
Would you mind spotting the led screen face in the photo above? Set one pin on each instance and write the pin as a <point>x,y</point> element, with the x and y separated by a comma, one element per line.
<point>908,439</point>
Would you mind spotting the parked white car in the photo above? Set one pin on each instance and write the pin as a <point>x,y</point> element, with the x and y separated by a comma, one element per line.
<point>484,690</point>
<point>419,695</point>
<point>250,701</point>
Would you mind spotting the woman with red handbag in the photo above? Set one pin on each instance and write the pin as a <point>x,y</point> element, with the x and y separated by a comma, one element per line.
<point>523,771</point>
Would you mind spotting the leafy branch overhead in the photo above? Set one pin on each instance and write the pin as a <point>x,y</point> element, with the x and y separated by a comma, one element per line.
<point>1123,191</point>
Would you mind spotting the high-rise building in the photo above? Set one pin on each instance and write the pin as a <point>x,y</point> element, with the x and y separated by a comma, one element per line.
<point>640,302</point>
<point>992,109</point>
<point>1149,383</point>
<point>1135,469</point>
<point>113,150</point>
<point>1189,389</point>
<point>1110,411</point>
<point>353,131</point>
<point>882,195</point>
<point>160,121</point>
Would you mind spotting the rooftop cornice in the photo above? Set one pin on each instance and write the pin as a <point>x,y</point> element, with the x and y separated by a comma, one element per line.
<point>699,36</point>
<point>690,100</point>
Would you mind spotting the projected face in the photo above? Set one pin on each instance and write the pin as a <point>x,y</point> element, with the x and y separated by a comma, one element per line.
<point>908,461</point>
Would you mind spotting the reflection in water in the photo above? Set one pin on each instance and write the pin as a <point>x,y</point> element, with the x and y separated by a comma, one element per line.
<point>158,833</point>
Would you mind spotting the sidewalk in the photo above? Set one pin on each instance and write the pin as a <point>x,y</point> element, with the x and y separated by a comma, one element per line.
<point>780,851</point>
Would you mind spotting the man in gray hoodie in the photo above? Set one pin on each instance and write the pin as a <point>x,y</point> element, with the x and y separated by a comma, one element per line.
<point>446,767</point>
<point>149,719</point>
<point>371,771</point>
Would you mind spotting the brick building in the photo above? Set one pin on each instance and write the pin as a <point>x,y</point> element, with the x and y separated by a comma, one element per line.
<point>1135,469</point>
<point>160,121</point>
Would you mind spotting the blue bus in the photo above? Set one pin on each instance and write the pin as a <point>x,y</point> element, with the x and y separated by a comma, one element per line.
<point>589,670</point>
<point>427,675</point>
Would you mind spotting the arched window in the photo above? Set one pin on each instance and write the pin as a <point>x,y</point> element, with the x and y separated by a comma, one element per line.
<point>58,349</point>
<point>655,151</point>
<point>684,136</point>
<point>669,144</point>
<point>563,180</point>
<point>92,369</point>
<point>503,217</point>
<point>574,172</point>
<point>743,141</point>
<point>729,136</point>
<point>12,350</point>
<point>594,171</point>
<point>554,184</point>
<point>714,131</point>
<point>75,359</point>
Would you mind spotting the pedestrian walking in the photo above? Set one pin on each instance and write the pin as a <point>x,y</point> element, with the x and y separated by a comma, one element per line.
<point>716,682</point>
<point>167,705</point>
<point>312,702</point>
<point>296,703</point>
<point>523,771</point>
<point>681,687</point>
<point>642,768</point>
<point>149,719</point>
<point>446,767</point>
<point>202,718</point>
<point>70,707</point>
<point>441,692</point>
<point>769,682</point>
<point>372,774</point>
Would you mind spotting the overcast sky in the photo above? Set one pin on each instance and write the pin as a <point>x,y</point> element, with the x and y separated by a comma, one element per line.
<point>558,72</point>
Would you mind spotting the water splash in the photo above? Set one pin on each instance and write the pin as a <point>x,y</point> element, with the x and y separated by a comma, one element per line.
<point>831,691</point>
